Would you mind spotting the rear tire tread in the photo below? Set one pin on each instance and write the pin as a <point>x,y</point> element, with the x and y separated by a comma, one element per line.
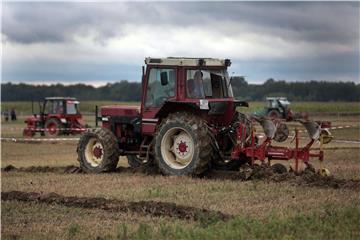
<point>200,130</point>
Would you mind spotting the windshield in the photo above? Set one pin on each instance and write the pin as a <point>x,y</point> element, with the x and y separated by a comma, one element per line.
<point>284,102</point>
<point>208,84</point>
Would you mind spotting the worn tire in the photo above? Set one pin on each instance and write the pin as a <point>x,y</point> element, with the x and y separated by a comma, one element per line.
<point>279,168</point>
<point>53,127</point>
<point>197,133</point>
<point>92,159</point>
<point>134,161</point>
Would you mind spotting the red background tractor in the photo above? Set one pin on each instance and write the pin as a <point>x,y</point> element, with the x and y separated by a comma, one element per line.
<point>58,116</point>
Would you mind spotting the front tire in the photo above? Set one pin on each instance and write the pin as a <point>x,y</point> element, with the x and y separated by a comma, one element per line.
<point>98,151</point>
<point>182,145</point>
<point>28,133</point>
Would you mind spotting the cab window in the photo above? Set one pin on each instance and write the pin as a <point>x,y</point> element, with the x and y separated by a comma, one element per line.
<point>161,86</point>
<point>54,107</point>
<point>72,107</point>
<point>207,84</point>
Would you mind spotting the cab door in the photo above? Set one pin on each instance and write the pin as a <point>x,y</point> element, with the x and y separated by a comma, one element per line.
<point>160,85</point>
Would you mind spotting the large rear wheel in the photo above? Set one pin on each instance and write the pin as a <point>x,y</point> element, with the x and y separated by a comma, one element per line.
<point>98,151</point>
<point>182,145</point>
<point>53,127</point>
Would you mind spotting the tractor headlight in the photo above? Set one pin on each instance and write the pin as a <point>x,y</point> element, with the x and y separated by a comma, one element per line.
<point>63,120</point>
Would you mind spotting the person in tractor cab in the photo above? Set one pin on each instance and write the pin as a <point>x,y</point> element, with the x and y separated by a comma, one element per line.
<point>58,108</point>
<point>195,86</point>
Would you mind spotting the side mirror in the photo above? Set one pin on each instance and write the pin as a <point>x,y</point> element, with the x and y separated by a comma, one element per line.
<point>164,78</point>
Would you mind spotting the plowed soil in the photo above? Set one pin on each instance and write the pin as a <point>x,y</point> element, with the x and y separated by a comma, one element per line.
<point>264,173</point>
<point>304,178</point>
<point>157,209</point>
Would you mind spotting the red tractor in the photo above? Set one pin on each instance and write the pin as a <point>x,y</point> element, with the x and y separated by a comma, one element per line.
<point>58,116</point>
<point>186,124</point>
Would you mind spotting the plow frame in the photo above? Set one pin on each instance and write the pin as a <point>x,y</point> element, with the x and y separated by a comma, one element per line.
<point>266,150</point>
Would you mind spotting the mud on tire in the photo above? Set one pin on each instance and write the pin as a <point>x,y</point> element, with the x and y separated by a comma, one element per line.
<point>182,145</point>
<point>98,151</point>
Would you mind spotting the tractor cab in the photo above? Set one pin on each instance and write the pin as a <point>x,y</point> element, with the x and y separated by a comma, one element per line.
<point>198,85</point>
<point>60,106</point>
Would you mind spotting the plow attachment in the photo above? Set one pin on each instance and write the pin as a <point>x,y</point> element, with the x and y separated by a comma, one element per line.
<point>275,130</point>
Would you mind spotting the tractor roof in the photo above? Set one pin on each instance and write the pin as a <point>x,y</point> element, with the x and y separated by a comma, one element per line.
<point>60,98</point>
<point>182,61</point>
<point>276,98</point>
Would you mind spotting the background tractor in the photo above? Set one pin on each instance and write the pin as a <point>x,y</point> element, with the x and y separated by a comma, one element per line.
<point>57,116</point>
<point>187,123</point>
<point>278,107</point>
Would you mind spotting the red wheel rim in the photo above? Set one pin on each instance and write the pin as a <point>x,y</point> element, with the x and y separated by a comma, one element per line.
<point>51,128</point>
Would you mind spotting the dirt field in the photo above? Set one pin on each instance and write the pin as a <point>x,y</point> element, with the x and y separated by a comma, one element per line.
<point>44,195</point>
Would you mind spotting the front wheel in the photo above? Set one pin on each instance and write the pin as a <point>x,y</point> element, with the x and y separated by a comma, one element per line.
<point>27,133</point>
<point>98,151</point>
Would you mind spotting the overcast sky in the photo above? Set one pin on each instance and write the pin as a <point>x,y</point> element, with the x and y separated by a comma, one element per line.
<point>95,43</point>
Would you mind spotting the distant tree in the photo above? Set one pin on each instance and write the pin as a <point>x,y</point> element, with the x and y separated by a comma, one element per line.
<point>131,91</point>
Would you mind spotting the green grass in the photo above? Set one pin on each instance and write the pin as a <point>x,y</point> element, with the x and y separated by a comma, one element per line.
<point>85,106</point>
<point>331,224</point>
<point>89,106</point>
<point>48,222</point>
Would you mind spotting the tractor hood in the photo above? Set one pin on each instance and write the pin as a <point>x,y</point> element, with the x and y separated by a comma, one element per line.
<point>120,110</point>
<point>31,119</point>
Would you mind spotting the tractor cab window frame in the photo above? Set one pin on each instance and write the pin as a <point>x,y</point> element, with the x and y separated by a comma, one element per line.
<point>207,83</point>
<point>157,92</point>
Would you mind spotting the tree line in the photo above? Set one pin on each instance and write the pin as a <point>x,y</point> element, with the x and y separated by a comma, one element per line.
<point>131,91</point>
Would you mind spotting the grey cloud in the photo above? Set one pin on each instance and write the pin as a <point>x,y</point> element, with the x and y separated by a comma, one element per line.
<point>324,25</point>
<point>307,21</point>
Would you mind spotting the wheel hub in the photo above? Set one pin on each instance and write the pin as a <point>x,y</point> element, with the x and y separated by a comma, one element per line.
<point>182,146</point>
<point>94,152</point>
<point>97,152</point>
<point>52,128</point>
<point>177,148</point>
